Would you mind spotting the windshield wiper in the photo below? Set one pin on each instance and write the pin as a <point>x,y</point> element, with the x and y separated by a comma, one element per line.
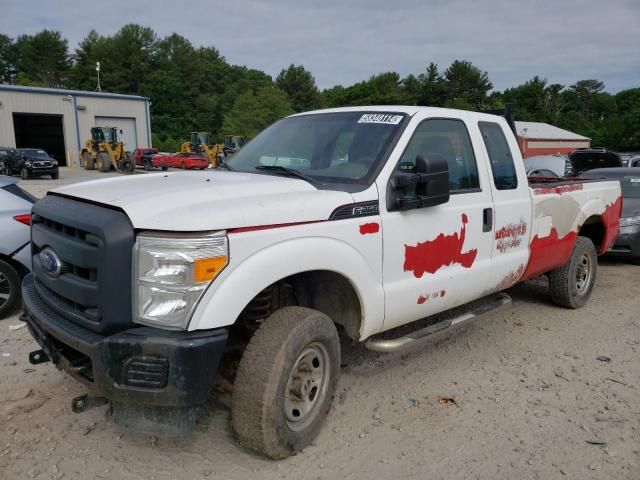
<point>286,171</point>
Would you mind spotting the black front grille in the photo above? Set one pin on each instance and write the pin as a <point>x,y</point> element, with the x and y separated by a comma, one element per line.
<point>94,245</point>
<point>42,164</point>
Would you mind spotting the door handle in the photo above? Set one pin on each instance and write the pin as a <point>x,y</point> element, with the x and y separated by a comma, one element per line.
<point>487,219</point>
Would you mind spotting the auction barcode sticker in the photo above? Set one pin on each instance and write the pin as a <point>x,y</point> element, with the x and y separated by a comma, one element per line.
<point>380,118</point>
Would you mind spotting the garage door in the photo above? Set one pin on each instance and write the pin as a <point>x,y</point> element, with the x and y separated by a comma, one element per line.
<point>128,127</point>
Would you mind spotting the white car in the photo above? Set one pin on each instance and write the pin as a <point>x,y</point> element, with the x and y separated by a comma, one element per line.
<point>15,254</point>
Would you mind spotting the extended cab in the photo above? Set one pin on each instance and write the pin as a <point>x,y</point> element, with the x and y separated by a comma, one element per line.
<point>354,220</point>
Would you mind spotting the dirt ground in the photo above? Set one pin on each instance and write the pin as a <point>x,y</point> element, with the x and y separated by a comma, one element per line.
<point>530,391</point>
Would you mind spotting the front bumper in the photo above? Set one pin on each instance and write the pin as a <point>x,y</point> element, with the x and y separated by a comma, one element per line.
<point>36,172</point>
<point>627,242</point>
<point>142,371</point>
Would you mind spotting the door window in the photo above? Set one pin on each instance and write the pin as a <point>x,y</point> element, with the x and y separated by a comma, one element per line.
<point>448,139</point>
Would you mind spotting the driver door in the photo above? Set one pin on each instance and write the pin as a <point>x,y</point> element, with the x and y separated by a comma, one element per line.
<point>436,258</point>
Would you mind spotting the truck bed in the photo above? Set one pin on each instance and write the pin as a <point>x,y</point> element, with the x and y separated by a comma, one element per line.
<point>561,209</point>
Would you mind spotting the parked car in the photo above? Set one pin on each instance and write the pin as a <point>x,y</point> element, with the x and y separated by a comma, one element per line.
<point>634,161</point>
<point>583,159</point>
<point>143,157</point>
<point>185,161</point>
<point>390,215</point>
<point>32,162</point>
<point>541,173</point>
<point>628,240</point>
<point>572,165</point>
<point>558,165</point>
<point>8,155</point>
<point>630,159</point>
<point>15,252</point>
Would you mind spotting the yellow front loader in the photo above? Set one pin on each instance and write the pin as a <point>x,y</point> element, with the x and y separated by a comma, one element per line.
<point>104,151</point>
<point>199,143</point>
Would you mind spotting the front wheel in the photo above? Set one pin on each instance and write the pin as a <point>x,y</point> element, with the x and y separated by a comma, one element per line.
<point>570,286</point>
<point>103,162</point>
<point>9,288</point>
<point>286,381</point>
<point>55,175</point>
<point>24,174</point>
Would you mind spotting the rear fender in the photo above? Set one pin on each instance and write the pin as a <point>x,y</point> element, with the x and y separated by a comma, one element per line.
<point>239,283</point>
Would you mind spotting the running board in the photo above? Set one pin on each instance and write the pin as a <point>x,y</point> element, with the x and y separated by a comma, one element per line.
<point>395,344</point>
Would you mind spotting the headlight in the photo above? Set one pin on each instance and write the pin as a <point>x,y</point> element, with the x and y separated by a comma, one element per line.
<point>171,273</point>
<point>628,221</point>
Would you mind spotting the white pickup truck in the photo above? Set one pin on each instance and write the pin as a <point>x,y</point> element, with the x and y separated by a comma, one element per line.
<point>353,221</point>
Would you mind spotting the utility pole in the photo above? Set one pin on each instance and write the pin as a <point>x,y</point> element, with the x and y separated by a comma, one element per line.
<point>99,89</point>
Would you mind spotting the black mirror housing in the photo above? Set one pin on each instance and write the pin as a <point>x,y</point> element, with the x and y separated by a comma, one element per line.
<point>431,181</point>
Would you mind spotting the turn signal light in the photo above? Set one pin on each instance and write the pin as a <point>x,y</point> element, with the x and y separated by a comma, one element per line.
<point>208,268</point>
<point>26,218</point>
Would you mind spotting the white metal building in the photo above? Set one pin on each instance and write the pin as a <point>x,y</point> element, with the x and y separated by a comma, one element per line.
<point>537,138</point>
<point>60,121</point>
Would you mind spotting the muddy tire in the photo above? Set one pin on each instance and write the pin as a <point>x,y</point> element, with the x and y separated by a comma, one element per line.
<point>88,162</point>
<point>570,286</point>
<point>103,163</point>
<point>286,381</point>
<point>9,288</point>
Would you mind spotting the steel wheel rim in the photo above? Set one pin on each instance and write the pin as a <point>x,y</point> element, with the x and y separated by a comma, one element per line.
<point>583,273</point>
<point>5,289</point>
<point>307,387</point>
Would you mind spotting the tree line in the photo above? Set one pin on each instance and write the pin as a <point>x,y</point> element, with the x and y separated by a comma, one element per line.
<point>195,88</point>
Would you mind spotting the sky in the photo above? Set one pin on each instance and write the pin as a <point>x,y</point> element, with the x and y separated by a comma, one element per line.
<point>345,41</point>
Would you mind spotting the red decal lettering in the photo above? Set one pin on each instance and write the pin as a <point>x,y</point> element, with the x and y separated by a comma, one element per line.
<point>369,228</point>
<point>444,250</point>
<point>611,219</point>
<point>421,300</point>
<point>510,236</point>
<point>559,190</point>
<point>549,253</point>
<point>442,293</point>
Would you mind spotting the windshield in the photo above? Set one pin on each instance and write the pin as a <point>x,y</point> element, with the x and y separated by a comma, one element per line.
<point>630,187</point>
<point>344,147</point>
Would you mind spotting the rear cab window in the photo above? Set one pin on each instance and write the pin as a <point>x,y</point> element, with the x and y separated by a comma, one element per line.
<point>502,166</point>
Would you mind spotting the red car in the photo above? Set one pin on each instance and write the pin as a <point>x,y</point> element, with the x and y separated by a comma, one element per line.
<point>143,156</point>
<point>191,161</point>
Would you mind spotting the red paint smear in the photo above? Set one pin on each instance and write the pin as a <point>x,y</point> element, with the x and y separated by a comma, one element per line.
<point>611,219</point>
<point>559,190</point>
<point>268,227</point>
<point>369,228</point>
<point>440,252</point>
<point>549,253</point>
<point>421,299</point>
<point>442,293</point>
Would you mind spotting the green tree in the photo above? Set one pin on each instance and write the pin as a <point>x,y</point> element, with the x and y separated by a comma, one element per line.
<point>300,86</point>
<point>466,85</point>
<point>42,59</point>
<point>7,58</point>
<point>251,112</point>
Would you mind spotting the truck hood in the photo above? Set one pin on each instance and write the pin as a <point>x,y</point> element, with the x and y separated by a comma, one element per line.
<point>209,200</point>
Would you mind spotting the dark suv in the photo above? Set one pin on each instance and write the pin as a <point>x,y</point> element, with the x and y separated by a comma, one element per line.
<point>32,162</point>
<point>8,155</point>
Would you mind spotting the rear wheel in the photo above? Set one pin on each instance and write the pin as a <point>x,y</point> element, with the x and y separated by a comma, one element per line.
<point>570,286</point>
<point>183,166</point>
<point>286,381</point>
<point>9,288</point>
<point>103,163</point>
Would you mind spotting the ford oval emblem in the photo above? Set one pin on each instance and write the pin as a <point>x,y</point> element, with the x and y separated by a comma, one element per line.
<point>50,262</point>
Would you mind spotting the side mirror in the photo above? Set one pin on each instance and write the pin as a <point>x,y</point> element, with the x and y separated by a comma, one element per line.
<point>426,186</point>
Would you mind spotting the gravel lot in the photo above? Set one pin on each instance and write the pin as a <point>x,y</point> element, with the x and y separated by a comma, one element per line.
<point>530,391</point>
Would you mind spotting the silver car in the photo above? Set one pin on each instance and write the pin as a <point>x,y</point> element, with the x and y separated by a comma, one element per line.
<point>15,251</point>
